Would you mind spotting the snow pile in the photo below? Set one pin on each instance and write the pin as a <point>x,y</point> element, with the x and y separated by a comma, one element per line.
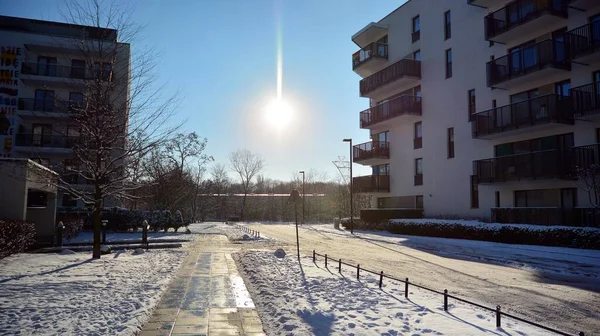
<point>67,252</point>
<point>488,226</point>
<point>310,300</point>
<point>54,294</point>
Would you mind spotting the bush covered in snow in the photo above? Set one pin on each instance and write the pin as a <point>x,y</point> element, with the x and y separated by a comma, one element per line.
<point>15,236</point>
<point>72,228</point>
<point>563,236</point>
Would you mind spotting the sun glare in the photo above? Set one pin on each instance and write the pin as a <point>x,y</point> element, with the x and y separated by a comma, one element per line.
<point>279,112</point>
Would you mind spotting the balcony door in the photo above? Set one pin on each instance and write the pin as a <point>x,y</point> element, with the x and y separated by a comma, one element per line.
<point>523,105</point>
<point>44,100</point>
<point>46,66</point>
<point>41,135</point>
<point>523,57</point>
<point>595,30</point>
<point>558,38</point>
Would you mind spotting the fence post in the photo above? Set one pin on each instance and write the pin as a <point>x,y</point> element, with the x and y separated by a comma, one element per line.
<point>406,288</point>
<point>498,317</point>
<point>445,300</point>
<point>314,256</point>
<point>357,271</point>
<point>380,279</point>
<point>340,266</point>
<point>325,260</point>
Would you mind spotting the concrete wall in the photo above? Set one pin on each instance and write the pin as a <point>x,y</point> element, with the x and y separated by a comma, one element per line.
<point>446,182</point>
<point>13,190</point>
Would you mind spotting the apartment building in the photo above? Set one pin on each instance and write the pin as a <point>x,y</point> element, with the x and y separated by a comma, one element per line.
<point>480,108</point>
<point>47,69</point>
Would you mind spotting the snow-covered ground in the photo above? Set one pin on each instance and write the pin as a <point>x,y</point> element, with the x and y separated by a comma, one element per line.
<point>294,299</point>
<point>232,231</point>
<point>559,287</point>
<point>60,294</point>
<point>88,236</point>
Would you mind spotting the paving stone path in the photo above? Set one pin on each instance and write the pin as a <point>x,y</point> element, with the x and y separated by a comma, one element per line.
<point>207,297</point>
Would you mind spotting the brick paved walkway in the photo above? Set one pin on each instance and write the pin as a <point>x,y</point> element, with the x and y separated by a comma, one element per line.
<point>207,297</point>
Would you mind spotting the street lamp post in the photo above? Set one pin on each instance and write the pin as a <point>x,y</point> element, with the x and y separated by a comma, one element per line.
<point>303,196</point>
<point>351,202</point>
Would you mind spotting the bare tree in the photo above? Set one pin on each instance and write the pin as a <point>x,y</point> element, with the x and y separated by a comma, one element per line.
<point>185,146</point>
<point>221,184</point>
<point>122,114</point>
<point>246,165</point>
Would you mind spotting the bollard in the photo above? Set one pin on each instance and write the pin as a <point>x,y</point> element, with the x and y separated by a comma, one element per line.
<point>340,266</point>
<point>314,256</point>
<point>104,222</point>
<point>406,288</point>
<point>325,260</point>
<point>357,271</point>
<point>445,300</point>
<point>59,234</point>
<point>380,279</point>
<point>498,317</point>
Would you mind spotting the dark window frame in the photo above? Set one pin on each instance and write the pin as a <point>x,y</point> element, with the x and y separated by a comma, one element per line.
<point>447,25</point>
<point>450,140</point>
<point>418,176</point>
<point>474,194</point>
<point>448,55</point>
<point>416,28</point>
<point>418,139</point>
<point>472,103</point>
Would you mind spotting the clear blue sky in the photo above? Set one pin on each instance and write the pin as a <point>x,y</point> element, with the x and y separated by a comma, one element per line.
<point>221,56</point>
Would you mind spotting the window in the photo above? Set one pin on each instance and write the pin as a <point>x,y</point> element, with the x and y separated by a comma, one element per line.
<point>523,56</point>
<point>75,101</point>
<point>598,135</point>
<point>46,66</point>
<point>596,76</point>
<point>416,28</point>
<point>44,100</point>
<point>418,142</point>
<point>523,96</point>
<point>419,202</point>
<point>538,198</point>
<point>417,91</point>
<point>448,63</point>
<point>563,88</point>
<point>36,199</point>
<point>77,68</point>
<point>474,194</point>
<point>447,26</point>
<point>41,134</point>
<point>380,137</point>
<point>497,199</point>
<point>417,55</point>
<point>560,142</point>
<point>69,201</point>
<point>104,70</point>
<point>419,171</point>
<point>472,103</point>
<point>450,142</point>
<point>383,169</point>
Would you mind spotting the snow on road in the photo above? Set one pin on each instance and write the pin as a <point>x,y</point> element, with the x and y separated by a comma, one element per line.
<point>559,287</point>
<point>311,300</point>
<point>71,294</point>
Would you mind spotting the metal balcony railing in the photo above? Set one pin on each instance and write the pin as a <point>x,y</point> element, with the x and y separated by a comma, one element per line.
<point>519,12</point>
<point>49,105</point>
<point>586,99</point>
<point>371,183</point>
<point>46,140</point>
<point>403,105</point>
<point>548,53</point>
<point>540,110</point>
<point>373,50</point>
<point>65,71</point>
<point>370,150</point>
<point>403,68</point>
<point>584,40</point>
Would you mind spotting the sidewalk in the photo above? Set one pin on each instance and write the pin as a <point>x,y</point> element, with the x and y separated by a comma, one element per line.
<point>207,297</point>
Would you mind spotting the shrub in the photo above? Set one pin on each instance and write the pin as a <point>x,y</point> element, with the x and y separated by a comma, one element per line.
<point>563,236</point>
<point>15,236</point>
<point>72,229</point>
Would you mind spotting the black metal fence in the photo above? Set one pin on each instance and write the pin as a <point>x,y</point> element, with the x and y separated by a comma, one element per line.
<point>497,310</point>
<point>403,68</point>
<point>248,230</point>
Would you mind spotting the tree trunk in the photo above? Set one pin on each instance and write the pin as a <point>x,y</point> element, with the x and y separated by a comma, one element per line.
<point>97,225</point>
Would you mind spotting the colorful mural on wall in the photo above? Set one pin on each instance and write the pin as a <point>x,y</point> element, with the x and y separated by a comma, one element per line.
<point>10,62</point>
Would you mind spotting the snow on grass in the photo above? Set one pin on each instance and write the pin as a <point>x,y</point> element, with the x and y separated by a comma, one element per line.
<point>53,294</point>
<point>310,300</point>
<point>88,236</point>
<point>489,226</point>
<point>232,231</point>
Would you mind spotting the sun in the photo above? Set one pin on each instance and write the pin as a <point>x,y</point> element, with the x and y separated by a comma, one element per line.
<point>279,112</point>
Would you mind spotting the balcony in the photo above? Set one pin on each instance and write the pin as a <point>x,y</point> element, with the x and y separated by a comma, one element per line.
<point>374,31</point>
<point>548,164</point>
<point>50,108</point>
<point>586,156</point>
<point>370,58</point>
<point>380,115</point>
<point>37,74</point>
<point>521,116</point>
<point>371,184</point>
<point>586,99</point>
<point>524,17</point>
<point>539,61</point>
<point>481,3</point>
<point>584,43</point>
<point>583,4</point>
<point>404,74</point>
<point>371,153</point>
<point>45,142</point>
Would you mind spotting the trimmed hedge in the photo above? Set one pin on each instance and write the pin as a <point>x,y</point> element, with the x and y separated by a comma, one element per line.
<point>575,237</point>
<point>15,236</point>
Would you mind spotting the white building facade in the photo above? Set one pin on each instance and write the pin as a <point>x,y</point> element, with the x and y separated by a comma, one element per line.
<point>480,108</point>
<point>45,73</point>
